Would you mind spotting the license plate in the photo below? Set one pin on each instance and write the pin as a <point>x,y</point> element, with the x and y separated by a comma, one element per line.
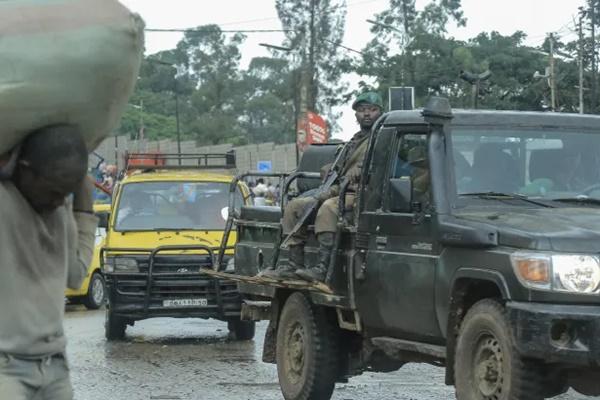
<point>185,303</point>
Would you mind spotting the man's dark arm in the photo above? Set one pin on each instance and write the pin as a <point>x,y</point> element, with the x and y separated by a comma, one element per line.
<point>82,248</point>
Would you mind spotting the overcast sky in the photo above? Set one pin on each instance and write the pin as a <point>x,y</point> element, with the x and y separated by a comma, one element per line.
<point>534,17</point>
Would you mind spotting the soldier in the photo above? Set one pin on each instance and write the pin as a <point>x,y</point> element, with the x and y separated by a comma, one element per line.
<point>368,108</point>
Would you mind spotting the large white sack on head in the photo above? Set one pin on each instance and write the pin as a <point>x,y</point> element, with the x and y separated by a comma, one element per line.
<point>66,62</point>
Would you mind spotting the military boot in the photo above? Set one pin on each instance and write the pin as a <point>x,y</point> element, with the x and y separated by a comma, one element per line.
<point>319,271</point>
<point>287,270</point>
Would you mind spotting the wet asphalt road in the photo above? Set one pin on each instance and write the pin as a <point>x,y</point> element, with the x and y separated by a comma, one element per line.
<point>190,359</point>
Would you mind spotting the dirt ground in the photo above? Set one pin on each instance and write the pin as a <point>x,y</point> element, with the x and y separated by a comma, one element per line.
<point>191,359</point>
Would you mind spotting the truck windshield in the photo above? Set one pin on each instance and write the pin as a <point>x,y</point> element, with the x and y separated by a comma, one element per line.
<point>173,206</point>
<point>549,164</point>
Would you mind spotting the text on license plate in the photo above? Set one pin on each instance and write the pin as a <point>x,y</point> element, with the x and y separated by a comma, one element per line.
<point>185,303</point>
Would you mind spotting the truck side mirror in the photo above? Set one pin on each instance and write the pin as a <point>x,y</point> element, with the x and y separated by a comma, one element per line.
<point>103,220</point>
<point>401,194</point>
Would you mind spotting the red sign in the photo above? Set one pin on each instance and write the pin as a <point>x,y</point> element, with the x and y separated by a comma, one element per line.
<point>312,129</point>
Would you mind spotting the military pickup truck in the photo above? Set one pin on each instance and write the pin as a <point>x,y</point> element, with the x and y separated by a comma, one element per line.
<point>475,246</point>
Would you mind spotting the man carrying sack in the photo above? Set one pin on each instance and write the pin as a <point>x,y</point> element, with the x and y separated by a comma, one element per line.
<point>69,67</point>
<point>44,240</point>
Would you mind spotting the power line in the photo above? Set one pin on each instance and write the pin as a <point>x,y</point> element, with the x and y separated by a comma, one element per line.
<point>345,47</point>
<point>248,21</point>
<point>326,10</point>
<point>381,60</point>
<point>565,26</point>
<point>219,30</point>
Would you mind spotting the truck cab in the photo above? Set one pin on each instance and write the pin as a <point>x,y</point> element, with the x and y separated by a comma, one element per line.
<point>167,220</point>
<point>474,247</point>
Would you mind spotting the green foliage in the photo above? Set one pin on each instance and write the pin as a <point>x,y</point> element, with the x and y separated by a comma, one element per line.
<point>317,30</point>
<point>421,55</point>
<point>268,111</point>
<point>217,101</point>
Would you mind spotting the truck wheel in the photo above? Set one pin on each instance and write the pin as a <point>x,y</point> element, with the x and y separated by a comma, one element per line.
<point>114,326</point>
<point>487,365</point>
<point>307,352</point>
<point>96,295</point>
<point>242,330</point>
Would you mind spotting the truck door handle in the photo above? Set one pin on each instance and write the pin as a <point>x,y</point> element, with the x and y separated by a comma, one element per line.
<point>381,242</point>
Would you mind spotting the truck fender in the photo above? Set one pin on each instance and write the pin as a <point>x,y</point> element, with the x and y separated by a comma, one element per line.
<point>483,275</point>
<point>459,302</point>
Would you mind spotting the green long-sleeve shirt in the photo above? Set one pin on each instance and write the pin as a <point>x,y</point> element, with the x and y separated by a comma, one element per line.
<point>39,256</point>
<point>355,150</point>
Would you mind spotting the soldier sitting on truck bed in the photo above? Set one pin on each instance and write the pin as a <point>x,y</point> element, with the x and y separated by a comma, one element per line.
<point>368,107</point>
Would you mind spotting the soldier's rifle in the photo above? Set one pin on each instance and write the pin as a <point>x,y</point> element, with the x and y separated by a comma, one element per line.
<point>330,180</point>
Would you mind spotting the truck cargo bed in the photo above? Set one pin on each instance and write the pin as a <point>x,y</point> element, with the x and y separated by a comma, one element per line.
<point>291,284</point>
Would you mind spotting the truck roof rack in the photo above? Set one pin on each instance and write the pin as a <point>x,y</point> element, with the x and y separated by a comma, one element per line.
<point>174,161</point>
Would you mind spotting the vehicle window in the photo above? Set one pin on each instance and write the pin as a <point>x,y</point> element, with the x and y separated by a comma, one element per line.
<point>412,161</point>
<point>378,169</point>
<point>100,232</point>
<point>532,163</point>
<point>173,206</point>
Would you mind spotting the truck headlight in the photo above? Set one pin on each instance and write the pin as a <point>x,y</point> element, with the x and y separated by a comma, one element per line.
<point>108,265</point>
<point>580,274</point>
<point>120,264</point>
<point>573,273</point>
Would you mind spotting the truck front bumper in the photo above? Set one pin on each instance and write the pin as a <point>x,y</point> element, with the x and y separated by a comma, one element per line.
<point>566,334</point>
<point>128,296</point>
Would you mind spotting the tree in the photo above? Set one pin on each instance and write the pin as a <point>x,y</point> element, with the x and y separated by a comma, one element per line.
<point>210,61</point>
<point>153,101</point>
<point>409,48</point>
<point>268,114</point>
<point>218,102</point>
<point>512,65</point>
<point>316,30</point>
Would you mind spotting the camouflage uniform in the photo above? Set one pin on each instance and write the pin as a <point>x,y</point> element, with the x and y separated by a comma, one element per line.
<point>326,220</point>
<point>349,169</point>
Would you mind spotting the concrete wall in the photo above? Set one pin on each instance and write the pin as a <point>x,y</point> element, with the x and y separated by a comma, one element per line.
<point>282,156</point>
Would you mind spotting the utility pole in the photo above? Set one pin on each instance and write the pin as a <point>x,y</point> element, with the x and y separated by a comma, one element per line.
<point>141,133</point>
<point>177,120</point>
<point>580,60</point>
<point>176,94</point>
<point>552,76</point>
<point>594,66</point>
<point>310,79</point>
<point>300,87</point>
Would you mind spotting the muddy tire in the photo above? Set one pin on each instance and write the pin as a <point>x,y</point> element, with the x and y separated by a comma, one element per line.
<point>307,351</point>
<point>114,326</point>
<point>96,295</point>
<point>487,365</point>
<point>242,330</point>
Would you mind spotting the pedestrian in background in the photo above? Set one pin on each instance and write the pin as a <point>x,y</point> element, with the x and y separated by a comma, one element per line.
<point>260,192</point>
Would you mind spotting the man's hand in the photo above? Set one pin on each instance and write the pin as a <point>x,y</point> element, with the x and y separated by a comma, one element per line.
<point>8,162</point>
<point>83,199</point>
<point>354,173</point>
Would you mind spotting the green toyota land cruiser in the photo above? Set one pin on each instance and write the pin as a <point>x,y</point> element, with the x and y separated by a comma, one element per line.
<point>475,246</point>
